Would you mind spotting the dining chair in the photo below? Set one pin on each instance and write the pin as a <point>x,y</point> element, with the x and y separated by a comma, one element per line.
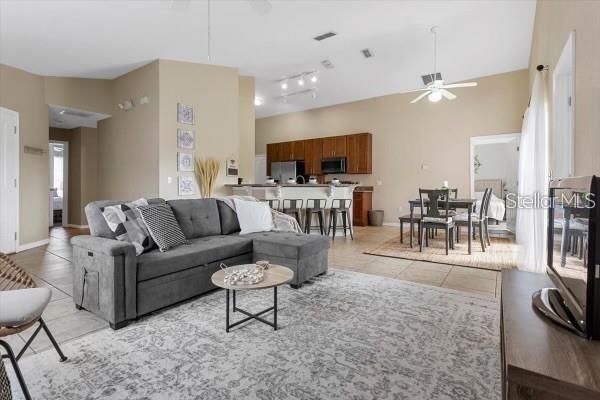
<point>21,306</point>
<point>479,219</point>
<point>436,217</point>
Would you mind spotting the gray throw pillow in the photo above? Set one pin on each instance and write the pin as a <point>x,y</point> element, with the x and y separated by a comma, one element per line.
<point>163,226</point>
<point>126,222</point>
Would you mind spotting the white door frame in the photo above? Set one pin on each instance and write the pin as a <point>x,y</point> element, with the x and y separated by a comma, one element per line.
<point>486,139</point>
<point>65,211</point>
<point>6,203</point>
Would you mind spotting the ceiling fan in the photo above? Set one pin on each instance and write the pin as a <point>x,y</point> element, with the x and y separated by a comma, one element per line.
<point>435,88</point>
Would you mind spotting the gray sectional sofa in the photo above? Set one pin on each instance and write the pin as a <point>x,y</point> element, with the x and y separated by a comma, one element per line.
<point>115,284</point>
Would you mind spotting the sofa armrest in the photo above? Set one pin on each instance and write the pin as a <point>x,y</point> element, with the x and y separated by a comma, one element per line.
<point>105,278</point>
<point>109,247</point>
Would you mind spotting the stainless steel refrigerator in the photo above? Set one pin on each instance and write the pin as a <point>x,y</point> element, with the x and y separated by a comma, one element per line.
<point>282,171</point>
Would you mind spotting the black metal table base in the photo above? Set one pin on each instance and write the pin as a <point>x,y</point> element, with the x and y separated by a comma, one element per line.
<point>249,315</point>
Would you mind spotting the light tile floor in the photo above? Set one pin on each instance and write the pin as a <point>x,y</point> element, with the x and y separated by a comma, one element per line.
<point>51,267</point>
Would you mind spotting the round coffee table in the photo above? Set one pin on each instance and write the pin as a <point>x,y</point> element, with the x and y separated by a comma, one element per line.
<point>276,275</point>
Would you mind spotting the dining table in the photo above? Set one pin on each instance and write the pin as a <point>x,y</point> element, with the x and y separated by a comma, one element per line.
<point>467,204</point>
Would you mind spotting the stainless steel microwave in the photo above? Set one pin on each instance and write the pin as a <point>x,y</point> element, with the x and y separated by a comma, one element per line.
<point>334,165</point>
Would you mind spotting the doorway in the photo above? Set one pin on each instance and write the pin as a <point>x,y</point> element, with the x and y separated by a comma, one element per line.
<point>495,165</point>
<point>58,152</point>
<point>9,180</point>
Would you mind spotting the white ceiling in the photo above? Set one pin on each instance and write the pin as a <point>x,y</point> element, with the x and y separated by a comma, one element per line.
<point>105,39</point>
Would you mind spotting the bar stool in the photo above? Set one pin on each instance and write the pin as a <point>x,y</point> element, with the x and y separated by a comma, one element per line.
<point>315,206</point>
<point>293,207</point>
<point>271,202</point>
<point>342,207</point>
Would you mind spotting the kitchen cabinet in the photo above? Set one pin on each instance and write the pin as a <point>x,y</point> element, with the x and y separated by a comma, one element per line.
<point>362,202</point>
<point>359,158</point>
<point>356,148</point>
<point>313,152</point>
<point>291,151</point>
<point>273,155</point>
<point>334,146</point>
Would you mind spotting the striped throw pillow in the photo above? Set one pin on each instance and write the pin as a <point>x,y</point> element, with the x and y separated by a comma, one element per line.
<point>163,226</point>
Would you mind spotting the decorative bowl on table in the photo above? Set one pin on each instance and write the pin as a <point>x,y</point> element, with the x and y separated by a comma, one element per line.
<point>242,275</point>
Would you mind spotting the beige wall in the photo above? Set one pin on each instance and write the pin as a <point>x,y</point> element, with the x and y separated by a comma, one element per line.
<point>24,92</point>
<point>213,92</point>
<point>246,128</point>
<point>407,136</point>
<point>128,141</point>
<point>554,20</point>
<point>84,94</point>
<point>83,169</point>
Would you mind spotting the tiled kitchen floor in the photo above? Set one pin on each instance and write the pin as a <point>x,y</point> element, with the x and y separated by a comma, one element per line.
<point>51,267</point>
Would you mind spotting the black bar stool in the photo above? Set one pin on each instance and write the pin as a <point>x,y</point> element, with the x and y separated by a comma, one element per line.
<point>273,203</point>
<point>293,207</point>
<point>315,206</point>
<point>342,207</point>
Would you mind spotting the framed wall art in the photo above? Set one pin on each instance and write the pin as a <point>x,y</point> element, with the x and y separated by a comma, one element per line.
<point>185,114</point>
<point>231,167</point>
<point>186,186</point>
<point>186,139</point>
<point>185,162</point>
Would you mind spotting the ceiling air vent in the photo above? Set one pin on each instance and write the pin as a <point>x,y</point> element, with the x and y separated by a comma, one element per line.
<point>428,79</point>
<point>367,53</point>
<point>324,36</point>
<point>327,64</point>
<point>80,114</point>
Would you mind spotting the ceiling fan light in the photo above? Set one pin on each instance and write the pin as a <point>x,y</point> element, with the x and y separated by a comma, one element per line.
<point>434,97</point>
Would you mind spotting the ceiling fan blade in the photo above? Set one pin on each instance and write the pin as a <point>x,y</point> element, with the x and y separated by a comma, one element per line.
<point>420,97</point>
<point>459,85</point>
<point>180,5</point>
<point>263,7</point>
<point>418,90</point>
<point>447,94</point>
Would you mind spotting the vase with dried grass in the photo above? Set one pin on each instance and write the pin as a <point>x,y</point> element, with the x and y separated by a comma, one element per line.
<point>206,172</point>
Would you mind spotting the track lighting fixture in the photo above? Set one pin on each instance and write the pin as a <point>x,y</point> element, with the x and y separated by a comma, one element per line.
<point>301,81</point>
<point>284,85</point>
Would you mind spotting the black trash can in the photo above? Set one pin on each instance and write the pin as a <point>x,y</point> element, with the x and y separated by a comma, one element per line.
<point>376,217</point>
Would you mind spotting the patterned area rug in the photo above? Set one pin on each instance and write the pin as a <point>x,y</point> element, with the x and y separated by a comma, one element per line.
<point>502,254</point>
<point>344,336</point>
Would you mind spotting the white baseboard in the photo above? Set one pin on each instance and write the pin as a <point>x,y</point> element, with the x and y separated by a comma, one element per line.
<point>395,224</point>
<point>76,226</point>
<point>27,246</point>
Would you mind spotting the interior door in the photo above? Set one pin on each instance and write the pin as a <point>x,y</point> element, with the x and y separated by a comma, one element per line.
<point>9,180</point>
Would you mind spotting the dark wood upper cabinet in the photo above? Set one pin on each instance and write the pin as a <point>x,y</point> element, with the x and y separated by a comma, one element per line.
<point>334,146</point>
<point>298,150</point>
<point>313,152</point>
<point>359,158</point>
<point>273,155</point>
<point>356,148</point>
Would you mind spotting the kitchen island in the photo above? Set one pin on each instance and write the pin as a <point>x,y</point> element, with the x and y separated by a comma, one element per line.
<point>283,191</point>
<point>298,191</point>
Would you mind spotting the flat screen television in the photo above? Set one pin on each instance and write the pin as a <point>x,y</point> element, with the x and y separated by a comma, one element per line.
<point>573,256</point>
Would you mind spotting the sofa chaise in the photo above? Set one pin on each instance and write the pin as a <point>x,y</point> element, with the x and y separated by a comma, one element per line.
<point>110,281</point>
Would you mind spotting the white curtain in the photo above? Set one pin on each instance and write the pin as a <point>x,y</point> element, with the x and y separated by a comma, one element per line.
<point>533,180</point>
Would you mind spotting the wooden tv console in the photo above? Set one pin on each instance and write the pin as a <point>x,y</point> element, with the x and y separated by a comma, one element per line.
<point>541,360</point>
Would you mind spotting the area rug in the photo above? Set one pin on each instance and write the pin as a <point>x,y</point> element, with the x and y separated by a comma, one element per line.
<point>344,336</point>
<point>502,254</point>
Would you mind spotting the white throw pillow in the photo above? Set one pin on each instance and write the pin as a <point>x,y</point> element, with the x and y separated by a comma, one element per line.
<point>253,216</point>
